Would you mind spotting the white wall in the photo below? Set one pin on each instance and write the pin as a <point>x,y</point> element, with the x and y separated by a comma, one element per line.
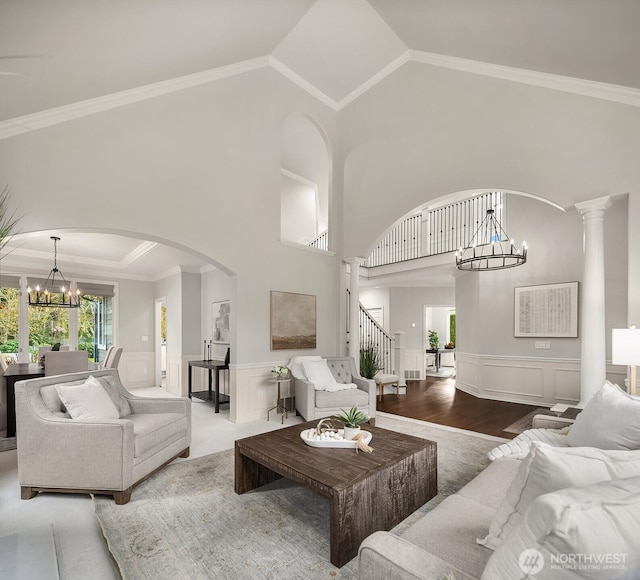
<point>372,297</point>
<point>298,213</point>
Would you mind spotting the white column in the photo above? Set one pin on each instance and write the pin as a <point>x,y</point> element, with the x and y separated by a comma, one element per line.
<point>633,252</point>
<point>354,309</point>
<point>593,345</point>
<point>398,357</point>
<point>23,322</point>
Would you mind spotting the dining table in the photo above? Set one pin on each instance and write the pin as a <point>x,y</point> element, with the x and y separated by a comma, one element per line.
<point>18,372</point>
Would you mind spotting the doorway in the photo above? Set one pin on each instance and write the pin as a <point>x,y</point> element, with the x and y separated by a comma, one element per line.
<point>161,341</point>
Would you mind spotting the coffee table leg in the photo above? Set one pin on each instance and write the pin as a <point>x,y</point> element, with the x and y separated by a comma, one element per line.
<point>249,474</point>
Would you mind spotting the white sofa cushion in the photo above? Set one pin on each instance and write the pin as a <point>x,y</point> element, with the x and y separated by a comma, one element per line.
<point>582,532</point>
<point>610,420</point>
<point>320,375</point>
<point>547,469</point>
<point>152,431</point>
<point>87,401</point>
<point>296,368</point>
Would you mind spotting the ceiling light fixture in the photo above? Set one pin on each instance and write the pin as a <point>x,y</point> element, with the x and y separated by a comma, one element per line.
<point>490,248</point>
<point>52,296</point>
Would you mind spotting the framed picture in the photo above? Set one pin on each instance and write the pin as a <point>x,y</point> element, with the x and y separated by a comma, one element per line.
<point>547,310</point>
<point>293,321</point>
<point>221,327</point>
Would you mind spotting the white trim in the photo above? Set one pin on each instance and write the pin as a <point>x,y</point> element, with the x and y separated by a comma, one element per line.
<point>303,180</point>
<point>304,84</point>
<point>595,89</point>
<point>42,119</point>
<point>374,80</point>
<point>257,365</point>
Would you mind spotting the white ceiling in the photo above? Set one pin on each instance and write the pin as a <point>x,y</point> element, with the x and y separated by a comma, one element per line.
<point>80,49</point>
<point>89,255</point>
<point>60,52</point>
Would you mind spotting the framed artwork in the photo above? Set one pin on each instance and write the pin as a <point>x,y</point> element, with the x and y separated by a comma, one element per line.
<point>293,321</point>
<point>221,327</point>
<point>547,310</point>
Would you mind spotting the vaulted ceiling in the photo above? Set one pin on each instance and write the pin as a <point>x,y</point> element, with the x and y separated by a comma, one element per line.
<point>59,52</point>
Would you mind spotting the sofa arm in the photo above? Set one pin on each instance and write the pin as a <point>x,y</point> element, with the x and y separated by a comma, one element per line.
<point>368,386</point>
<point>140,405</point>
<point>382,556</point>
<point>550,422</point>
<point>305,398</point>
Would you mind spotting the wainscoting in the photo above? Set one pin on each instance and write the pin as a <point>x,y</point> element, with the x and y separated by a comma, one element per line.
<point>539,381</point>
<point>136,369</point>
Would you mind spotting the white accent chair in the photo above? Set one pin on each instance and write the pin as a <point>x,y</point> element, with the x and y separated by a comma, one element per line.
<point>313,404</point>
<point>108,456</point>
<point>112,359</point>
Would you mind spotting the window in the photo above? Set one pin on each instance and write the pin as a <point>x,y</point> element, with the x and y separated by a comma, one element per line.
<point>9,323</point>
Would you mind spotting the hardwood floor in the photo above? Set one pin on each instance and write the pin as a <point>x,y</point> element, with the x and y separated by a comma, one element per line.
<point>438,401</point>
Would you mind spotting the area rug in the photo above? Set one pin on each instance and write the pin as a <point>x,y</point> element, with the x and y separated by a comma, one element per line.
<point>8,443</point>
<point>526,422</point>
<point>186,522</point>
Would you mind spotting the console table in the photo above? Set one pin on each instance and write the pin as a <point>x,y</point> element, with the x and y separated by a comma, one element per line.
<point>209,395</point>
<point>438,353</point>
<point>14,373</point>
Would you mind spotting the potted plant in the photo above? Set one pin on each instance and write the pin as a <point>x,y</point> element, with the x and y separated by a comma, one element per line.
<point>433,340</point>
<point>280,372</point>
<point>369,361</point>
<point>352,420</point>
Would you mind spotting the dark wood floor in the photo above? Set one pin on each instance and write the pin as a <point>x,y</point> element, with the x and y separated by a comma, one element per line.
<point>438,401</point>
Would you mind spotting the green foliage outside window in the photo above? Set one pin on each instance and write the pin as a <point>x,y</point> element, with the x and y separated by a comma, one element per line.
<point>452,328</point>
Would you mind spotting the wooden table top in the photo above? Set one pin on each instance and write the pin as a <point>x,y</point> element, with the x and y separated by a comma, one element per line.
<point>331,468</point>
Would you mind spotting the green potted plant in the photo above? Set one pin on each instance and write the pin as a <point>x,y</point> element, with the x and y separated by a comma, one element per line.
<point>433,340</point>
<point>369,361</point>
<point>352,420</point>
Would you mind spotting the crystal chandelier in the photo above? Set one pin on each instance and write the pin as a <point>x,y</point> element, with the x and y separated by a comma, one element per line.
<point>56,292</point>
<point>490,248</point>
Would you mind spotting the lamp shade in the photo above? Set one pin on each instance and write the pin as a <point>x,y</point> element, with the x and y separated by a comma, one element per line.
<point>625,346</point>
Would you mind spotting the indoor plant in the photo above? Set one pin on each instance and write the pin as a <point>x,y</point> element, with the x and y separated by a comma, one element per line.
<point>433,340</point>
<point>280,371</point>
<point>369,361</point>
<point>352,420</point>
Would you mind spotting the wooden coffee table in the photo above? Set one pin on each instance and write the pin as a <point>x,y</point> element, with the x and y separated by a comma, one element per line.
<point>367,491</point>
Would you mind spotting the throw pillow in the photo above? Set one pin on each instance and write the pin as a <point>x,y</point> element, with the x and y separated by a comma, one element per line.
<point>547,469</point>
<point>318,373</point>
<point>583,532</point>
<point>610,420</point>
<point>87,401</point>
<point>519,447</point>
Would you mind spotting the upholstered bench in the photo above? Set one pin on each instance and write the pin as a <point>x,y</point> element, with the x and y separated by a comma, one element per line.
<point>382,380</point>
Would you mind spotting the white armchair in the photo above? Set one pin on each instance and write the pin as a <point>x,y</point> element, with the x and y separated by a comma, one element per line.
<point>108,456</point>
<point>315,404</point>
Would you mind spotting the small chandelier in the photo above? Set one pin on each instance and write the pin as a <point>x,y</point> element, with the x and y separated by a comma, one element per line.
<point>51,295</point>
<point>490,248</point>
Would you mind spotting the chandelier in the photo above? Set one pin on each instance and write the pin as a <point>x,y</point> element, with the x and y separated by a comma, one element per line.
<point>56,292</point>
<point>490,248</point>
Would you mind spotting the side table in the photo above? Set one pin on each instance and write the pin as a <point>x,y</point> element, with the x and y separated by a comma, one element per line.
<point>279,408</point>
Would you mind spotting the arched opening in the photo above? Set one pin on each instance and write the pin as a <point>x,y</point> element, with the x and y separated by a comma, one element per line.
<point>123,276</point>
<point>306,183</point>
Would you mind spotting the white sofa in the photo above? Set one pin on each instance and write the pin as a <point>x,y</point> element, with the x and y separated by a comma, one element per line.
<point>110,456</point>
<point>559,500</point>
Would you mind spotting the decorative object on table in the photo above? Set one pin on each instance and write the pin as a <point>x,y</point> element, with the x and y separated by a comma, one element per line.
<point>352,420</point>
<point>449,346</point>
<point>221,323</point>
<point>625,350</point>
<point>369,361</point>
<point>490,248</point>
<point>546,310</point>
<point>280,371</point>
<point>56,292</point>
<point>334,438</point>
<point>293,321</point>
<point>433,340</point>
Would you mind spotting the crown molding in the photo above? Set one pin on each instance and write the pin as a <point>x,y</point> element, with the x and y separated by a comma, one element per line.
<point>304,84</point>
<point>595,89</point>
<point>375,79</point>
<point>42,119</point>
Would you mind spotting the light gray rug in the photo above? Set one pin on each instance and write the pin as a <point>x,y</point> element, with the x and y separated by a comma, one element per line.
<point>526,422</point>
<point>7,443</point>
<point>186,522</point>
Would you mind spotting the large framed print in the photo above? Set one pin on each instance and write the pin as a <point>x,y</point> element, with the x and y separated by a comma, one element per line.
<point>293,321</point>
<point>221,326</point>
<point>546,310</point>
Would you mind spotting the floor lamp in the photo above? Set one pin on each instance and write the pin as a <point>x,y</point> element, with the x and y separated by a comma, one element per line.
<point>625,350</point>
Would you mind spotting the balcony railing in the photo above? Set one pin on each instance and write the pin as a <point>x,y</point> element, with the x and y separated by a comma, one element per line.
<point>436,231</point>
<point>321,241</point>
